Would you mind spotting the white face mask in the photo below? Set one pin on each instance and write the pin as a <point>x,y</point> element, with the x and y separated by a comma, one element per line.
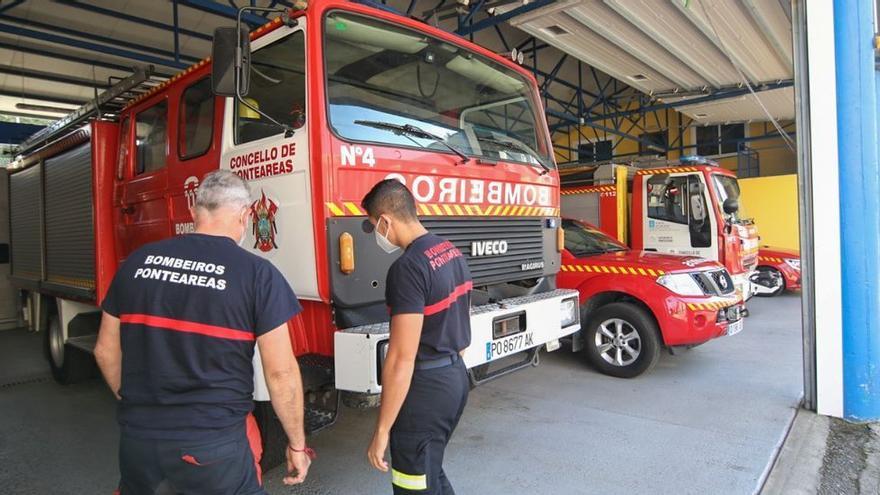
<point>382,240</point>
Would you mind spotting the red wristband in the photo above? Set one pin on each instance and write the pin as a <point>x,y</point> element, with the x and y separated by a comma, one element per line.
<point>308,451</point>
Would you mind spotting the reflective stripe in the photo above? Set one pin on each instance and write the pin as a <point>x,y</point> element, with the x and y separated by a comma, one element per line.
<point>409,481</point>
<point>187,327</point>
<point>444,303</point>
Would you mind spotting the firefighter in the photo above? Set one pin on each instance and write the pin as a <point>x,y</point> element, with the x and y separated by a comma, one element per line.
<point>424,379</point>
<point>180,323</point>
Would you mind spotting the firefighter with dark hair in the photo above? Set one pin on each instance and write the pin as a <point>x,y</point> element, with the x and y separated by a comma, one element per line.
<point>424,380</point>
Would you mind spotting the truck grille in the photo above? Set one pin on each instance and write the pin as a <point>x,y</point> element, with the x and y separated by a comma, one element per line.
<point>524,238</point>
<point>716,282</point>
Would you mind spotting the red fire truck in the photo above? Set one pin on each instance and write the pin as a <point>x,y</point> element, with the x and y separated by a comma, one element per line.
<point>689,207</point>
<point>328,100</point>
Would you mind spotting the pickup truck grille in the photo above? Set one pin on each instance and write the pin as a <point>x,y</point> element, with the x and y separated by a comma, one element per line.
<point>524,238</point>
<point>715,282</point>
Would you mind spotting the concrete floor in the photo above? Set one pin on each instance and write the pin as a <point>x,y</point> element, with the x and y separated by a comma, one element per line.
<point>705,421</point>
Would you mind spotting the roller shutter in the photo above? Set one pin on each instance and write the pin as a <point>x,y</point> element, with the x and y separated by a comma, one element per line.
<point>26,226</point>
<point>70,241</point>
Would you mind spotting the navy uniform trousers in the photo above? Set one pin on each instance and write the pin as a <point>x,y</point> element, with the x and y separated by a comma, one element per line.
<point>226,464</point>
<point>429,415</point>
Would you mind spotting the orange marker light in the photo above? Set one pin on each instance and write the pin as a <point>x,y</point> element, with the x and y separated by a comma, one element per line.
<point>560,239</point>
<point>346,253</point>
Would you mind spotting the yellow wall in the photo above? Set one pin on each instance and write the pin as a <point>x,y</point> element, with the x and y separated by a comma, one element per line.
<point>773,203</point>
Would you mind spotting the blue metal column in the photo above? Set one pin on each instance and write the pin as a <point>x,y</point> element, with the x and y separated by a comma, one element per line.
<point>857,114</point>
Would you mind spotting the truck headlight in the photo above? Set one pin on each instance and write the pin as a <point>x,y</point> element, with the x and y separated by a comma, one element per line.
<point>794,263</point>
<point>568,312</point>
<point>682,284</point>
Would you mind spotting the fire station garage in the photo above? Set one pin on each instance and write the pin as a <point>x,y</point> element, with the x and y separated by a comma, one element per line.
<point>669,210</point>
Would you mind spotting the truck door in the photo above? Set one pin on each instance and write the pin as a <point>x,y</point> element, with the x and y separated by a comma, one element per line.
<point>276,164</point>
<point>678,217</point>
<point>195,147</point>
<point>142,195</point>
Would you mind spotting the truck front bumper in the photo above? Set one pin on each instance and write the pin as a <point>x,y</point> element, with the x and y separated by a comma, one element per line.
<point>690,321</point>
<point>531,321</point>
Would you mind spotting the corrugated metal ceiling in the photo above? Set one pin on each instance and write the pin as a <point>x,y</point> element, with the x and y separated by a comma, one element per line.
<point>664,47</point>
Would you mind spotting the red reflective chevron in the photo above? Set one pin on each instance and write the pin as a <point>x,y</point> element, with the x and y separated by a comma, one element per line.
<point>448,300</point>
<point>187,327</point>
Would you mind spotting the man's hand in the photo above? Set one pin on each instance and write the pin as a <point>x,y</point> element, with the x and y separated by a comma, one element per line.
<point>297,467</point>
<point>376,451</point>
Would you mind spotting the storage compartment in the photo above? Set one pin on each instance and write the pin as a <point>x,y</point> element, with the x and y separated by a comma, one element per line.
<point>26,224</point>
<point>70,233</point>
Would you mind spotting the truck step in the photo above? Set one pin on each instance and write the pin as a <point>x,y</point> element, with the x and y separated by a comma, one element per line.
<point>319,418</point>
<point>85,343</point>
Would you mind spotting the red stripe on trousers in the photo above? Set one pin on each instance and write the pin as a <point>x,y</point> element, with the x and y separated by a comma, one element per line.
<point>256,443</point>
<point>448,300</point>
<point>187,327</point>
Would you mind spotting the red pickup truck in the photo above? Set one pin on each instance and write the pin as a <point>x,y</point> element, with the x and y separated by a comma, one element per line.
<point>635,303</point>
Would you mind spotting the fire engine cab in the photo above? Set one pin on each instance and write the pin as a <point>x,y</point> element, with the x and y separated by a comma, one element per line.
<point>688,207</point>
<point>312,109</point>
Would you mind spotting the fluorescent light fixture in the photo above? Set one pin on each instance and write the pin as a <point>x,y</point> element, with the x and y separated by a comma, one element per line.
<point>42,108</point>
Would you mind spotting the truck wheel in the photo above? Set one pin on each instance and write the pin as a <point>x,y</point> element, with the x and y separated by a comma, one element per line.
<point>622,340</point>
<point>770,272</point>
<point>69,365</point>
<point>272,435</point>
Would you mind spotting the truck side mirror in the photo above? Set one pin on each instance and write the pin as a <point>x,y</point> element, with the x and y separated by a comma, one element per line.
<point>230,61</point>
<point>730,206</point>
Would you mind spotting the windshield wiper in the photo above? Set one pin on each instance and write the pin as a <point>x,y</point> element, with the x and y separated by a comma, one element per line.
<point>411,130</point>
<point>515,146</point>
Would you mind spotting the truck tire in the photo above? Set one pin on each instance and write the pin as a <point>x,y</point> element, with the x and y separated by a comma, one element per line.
<point>622,340</point>
<point>68,364</point>
<point>271,434</point>
<point>772,271</point>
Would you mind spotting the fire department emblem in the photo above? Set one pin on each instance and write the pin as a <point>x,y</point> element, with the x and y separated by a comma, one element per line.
<point>263,219</point>
<point>190,189</point>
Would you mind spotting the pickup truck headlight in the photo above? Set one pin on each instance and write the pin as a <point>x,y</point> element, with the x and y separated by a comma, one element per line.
<point>794,263</point>
<point>568,312</point>
<point>682,284</point>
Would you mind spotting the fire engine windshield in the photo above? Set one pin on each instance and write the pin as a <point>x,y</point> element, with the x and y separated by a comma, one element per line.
<point>380,73</point>
<point>728,188</point>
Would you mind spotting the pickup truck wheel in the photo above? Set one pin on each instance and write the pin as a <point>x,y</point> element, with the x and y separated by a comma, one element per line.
<point>622,340</point>
<point>772,273</point>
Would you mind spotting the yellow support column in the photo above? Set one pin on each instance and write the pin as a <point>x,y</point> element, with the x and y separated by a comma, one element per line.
<point>620,178</point>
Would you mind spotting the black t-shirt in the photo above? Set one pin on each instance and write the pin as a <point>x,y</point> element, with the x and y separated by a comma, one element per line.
<point>191,308</point>
<point>432,278</point>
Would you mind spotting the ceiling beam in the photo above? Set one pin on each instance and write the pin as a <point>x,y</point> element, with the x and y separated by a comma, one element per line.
<point>717,95</point>
<point>87,45</point>
<point>51,76</point>
<point>223,10</point>
<point>73,58</point>
<point>135,19</point>
<point>42,97</point>
<point>500,18</point>
<point>51,28</point>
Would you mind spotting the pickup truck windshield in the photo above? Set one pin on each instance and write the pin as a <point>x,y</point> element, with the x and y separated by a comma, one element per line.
<point>582,240</point>
<point>383,73</point>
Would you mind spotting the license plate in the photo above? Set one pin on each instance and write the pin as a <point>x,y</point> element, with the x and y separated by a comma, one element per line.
<point>509,345</point>
<point>734,327</point>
